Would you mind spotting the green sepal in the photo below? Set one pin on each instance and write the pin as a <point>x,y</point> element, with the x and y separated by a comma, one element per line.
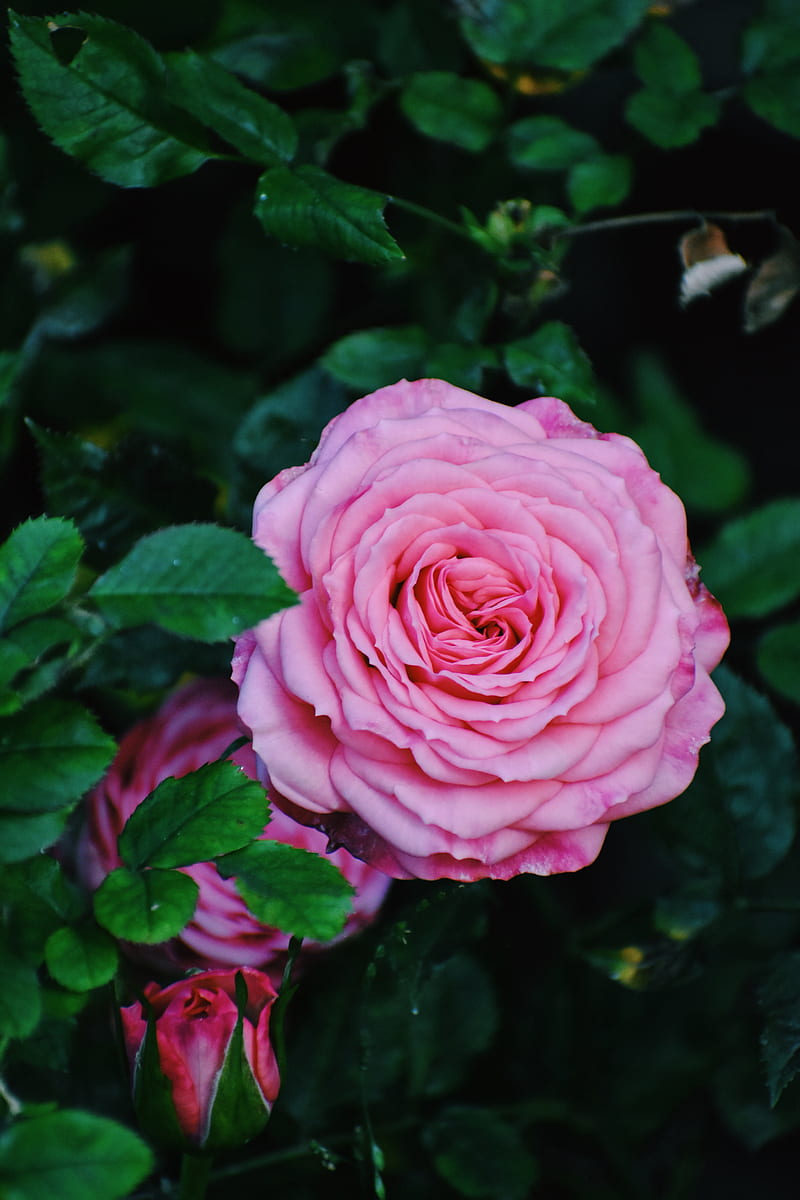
<point>239,1111</point>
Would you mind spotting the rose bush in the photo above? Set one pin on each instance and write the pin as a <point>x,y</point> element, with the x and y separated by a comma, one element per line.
<point>502,643</point>
<point>193,727</point>
<point>194,1022</point>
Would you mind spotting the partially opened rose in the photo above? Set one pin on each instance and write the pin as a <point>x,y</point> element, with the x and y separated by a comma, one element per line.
<point>502,644</point>
<point>222,1083</point>
<point>193,727</point>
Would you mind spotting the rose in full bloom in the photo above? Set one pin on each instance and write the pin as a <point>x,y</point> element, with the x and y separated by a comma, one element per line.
<point>194,1022</point>
<point>194,727</point>
<point>502,642</point>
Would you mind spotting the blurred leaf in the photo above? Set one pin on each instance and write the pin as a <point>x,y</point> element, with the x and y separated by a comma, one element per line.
<point>257,128</point>
<point>602,181</point>
<point>116,496</point>
<point>20,1001</point>
<point>211,811</point>
<point>290,889</point>
<point>50,754</point>
<point>145,906</point>
<point>778,656</point>
<point>737,820</point>
<point>465,112</point>
<point>665,62</point>
<point>373,358</point>
<point>672,119</point>
<point>309,207</point>
<point>287,48</point>
<point>201,581</point>
<point>571,34</point>
<point>671,110</point>
<point>34,657</point>
<point>37,568</point>
<point>149,659</point>
<point>544,143</point>
<point>86,297</point>
<point>775,97</point>
<point>780,1042</point>
<point>707,474</point>
<point>81,957</point>
<point>551,362</point>
<point>772,40</point>
<point>72,1155</point>
<point>476,1152</point>
<point>106,104</point>
<point>23,836</point>
<point>753,566</point>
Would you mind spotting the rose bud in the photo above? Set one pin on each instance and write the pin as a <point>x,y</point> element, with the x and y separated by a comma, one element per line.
<point>501,646</point>
<point>208,1036</point>
<point>193,727</point>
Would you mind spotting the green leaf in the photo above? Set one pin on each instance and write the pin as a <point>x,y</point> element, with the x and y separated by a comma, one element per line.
<point>737,820</point>
<point>81,957</point>
<point>478,1154</point>
<point>707,474</point>
<point>775,97</point>
<point>569,34</point>
<point>107,104</point>
<point>293,890</point>
<point>672,119</point>
<point>779,995</point>
<point>256,127</point>
<point>37,568</point>
<point>145,906</point>
<point>545,143</point>
<point>753,566</point>
<point>23,836</point>
<point>116,496</point>
<point>200,581</point>
<point>72,1155</point>
<point>599,182</point>
<point>211,811</point>
<point>465,112</point>
<point>20,999</point>
<point>551,362</point>
<point>309,207</point>
<point>50,754</point>
<point>665,62</point>
<point>778,656</point>
<point>372,358</point>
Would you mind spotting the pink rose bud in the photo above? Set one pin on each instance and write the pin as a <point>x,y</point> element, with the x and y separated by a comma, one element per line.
<point>195,726</point>
<point>501,645</point>
<point>208,1037</point>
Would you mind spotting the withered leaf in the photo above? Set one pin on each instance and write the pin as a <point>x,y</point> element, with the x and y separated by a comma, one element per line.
<point>774,285</point>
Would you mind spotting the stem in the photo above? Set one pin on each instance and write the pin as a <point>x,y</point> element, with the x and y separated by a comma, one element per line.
<point>195,1171</point>
<point>659,218</point>
<point>428,214</point>
<point>285,992</point>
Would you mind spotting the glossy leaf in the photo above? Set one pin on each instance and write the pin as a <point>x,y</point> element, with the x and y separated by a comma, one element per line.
<point>50,754</point>
<point>201,581</point>
<point>72,1155</point>
<point>293,890</point>
<point>81,957</point>
<point>309,207</point>
<point>211,811</point>
<point>552,362</point>
<point>106,104</point>
<point>258,129</point>
<point>37,568</point>
<point>145,906</point>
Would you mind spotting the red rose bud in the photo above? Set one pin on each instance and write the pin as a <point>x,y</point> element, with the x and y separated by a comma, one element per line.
<point>203,1069</point>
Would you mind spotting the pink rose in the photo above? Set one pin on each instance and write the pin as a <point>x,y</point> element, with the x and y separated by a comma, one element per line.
<point>502,644</point>
<point>195,726</point>
<point>194,1023</point>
